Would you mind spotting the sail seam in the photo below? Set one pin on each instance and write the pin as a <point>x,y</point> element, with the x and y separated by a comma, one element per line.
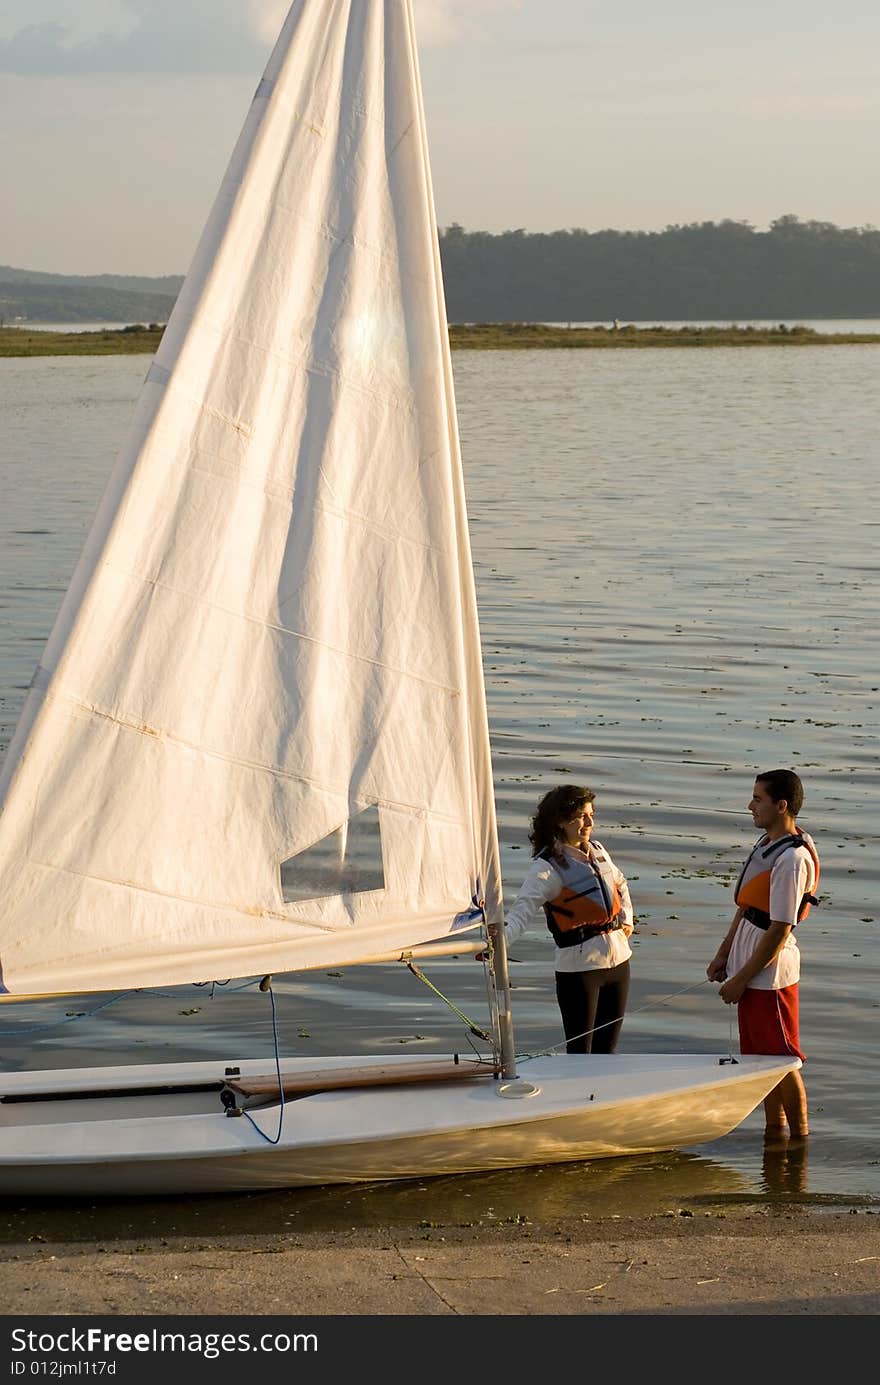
<point>276,490</point>
<point>312,122</point>
<point>251,910</point>
<point>248,910</point>
<point>337,237</point>
<point>276,771</point>
<point>341,511</point>
<point>306,362</point>
<point>280,630</point>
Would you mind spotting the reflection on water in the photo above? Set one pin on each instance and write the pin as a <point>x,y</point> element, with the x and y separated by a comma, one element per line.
<point>784,1167</point>
<point>646,1185</point>
<point>673,1184</point>
<point>642,1185</point>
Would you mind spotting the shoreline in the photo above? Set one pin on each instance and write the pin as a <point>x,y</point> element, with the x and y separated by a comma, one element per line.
<point>138,339</point>
<point>711,1260</point>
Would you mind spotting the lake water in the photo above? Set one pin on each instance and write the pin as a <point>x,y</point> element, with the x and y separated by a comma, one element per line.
<point>677,570</point>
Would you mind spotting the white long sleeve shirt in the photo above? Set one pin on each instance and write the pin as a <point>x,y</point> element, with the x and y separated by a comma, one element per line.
<point>542,884</point>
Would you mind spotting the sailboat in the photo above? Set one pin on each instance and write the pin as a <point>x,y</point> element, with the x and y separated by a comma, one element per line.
<point>257,740</point>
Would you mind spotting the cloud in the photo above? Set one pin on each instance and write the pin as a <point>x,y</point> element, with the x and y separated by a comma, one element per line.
<point>31,48</point>
<point>209,36</point>
<point>193,36</point>
<point>442,22</point>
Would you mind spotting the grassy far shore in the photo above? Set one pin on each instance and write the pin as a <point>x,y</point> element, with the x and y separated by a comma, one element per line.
<point>488,336</point>
<point>134,340</point>
<point>495,336</point>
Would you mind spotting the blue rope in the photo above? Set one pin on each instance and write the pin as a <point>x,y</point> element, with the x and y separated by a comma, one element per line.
<point>268,1138</point>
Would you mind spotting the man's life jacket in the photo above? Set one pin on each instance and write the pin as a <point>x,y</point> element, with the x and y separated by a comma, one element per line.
<point>754,897</point>
<point>588,903</point>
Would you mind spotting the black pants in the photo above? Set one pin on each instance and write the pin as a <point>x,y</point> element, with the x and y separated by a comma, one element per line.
<point>590,1001</point>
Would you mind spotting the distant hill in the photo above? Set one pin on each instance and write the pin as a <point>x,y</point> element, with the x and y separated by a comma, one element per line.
<point>133,283</point>
<point>704,271</point>
<point>39,297</point>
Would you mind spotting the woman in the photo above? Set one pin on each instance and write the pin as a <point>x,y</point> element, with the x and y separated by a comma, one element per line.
<point>585,901</point>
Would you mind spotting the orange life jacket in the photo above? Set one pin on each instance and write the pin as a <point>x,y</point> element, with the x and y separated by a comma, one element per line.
<point>588,903</point>
<point>754,897</point>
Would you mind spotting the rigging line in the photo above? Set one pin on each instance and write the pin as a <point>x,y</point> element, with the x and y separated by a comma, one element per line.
<point>198,985</point>
<point>123,995</point>
<point>245,985</point>
<point>68,1019</point>
<point>268,1138</point>
<point>474,1028</point>
<point>557,1048</point>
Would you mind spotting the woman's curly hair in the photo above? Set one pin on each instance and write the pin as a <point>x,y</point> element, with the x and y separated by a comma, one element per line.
<point>557,806</point>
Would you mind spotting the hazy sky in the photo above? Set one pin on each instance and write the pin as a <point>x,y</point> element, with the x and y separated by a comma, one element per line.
<point>118,116</point>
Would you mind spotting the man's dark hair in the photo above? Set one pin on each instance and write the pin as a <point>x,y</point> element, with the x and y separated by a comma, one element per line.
<point>783,783</point>
<point>557,806</point>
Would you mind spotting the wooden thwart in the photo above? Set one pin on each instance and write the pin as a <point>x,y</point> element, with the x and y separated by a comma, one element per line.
<point>373,1075</point>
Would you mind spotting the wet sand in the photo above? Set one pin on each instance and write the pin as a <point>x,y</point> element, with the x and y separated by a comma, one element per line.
<point>785,1259</point>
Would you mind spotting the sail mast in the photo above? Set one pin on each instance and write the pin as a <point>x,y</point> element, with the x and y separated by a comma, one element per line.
<point>486,819</point>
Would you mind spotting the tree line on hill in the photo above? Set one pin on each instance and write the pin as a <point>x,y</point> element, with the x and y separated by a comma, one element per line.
<point>701,271</point>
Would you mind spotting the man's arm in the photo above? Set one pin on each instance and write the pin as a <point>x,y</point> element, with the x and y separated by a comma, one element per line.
<point>766,952</point>
<point>718,966</point>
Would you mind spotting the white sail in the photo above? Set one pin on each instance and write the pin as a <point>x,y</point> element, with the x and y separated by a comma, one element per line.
<point>269,654</point>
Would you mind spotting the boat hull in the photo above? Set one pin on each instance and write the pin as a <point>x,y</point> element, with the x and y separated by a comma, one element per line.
<point>159,1130</point>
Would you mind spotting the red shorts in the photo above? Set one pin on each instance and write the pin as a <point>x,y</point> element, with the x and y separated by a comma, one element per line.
<point>768,1021</point>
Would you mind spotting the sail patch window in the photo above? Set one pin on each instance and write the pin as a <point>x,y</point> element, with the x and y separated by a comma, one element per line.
<point>346,861</point>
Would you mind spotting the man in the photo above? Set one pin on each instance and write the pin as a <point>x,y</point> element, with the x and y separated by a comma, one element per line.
<point>759,960</point>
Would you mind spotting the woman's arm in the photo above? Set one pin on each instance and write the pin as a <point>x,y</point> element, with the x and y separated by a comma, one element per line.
<point>540,886</point>
<point>627,915</point>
